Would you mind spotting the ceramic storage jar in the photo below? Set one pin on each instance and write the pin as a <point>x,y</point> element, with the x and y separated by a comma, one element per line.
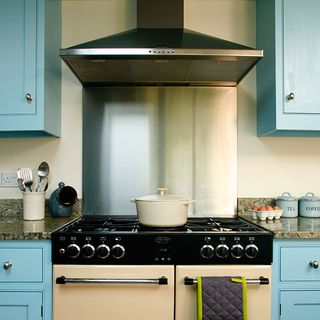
<point>309,206</point>
<point>288,204</point>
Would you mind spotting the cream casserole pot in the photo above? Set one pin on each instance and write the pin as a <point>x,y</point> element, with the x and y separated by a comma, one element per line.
<point>309,206</point>
<point>162,210</point>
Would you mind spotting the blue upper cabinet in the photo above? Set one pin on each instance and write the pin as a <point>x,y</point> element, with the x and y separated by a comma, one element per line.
<point>30,80</point>
<point>288,76</point>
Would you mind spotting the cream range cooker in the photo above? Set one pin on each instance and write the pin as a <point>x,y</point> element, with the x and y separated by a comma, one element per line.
<point>114,268</point>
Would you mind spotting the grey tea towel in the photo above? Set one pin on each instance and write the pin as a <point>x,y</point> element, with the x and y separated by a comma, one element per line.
<point>222,298</point>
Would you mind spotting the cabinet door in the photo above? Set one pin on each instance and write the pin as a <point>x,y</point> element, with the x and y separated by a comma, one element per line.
<point>18,56</point>
<point>298,305</point>
<point>20,305</point>
<point>301,54</point>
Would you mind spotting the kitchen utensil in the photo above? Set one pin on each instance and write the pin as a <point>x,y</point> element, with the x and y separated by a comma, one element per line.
<point>162,210</point>
<point>62,200</point>
<point>27,179</point>
<point>20,185</point>
<point>288,204</point>
<point>309,206</point>
<point>43,172</point>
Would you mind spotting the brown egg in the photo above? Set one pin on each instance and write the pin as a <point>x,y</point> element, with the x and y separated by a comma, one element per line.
<point>276,208</point>
<point>269,208</point>
<point>255,207</point>
<point>262,208</point>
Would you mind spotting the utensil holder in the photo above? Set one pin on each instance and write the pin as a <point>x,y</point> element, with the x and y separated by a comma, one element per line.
<point>33,205</point>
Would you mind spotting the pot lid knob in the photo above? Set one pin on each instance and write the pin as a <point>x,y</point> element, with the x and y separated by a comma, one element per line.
<point>162,191</point>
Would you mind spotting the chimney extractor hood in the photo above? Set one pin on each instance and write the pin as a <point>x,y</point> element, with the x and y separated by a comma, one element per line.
<point>160,52</point>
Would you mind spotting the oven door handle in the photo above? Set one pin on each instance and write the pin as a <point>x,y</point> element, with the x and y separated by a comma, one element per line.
<point>63,280</point>
<point>261,281</point>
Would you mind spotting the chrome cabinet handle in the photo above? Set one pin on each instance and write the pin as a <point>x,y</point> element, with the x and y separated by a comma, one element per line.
<point>29,97</point>
<point>290,96</point>
<point>261,281</point>
<point>7,265</point>
<point>314,264</point>
<point>159,281</point>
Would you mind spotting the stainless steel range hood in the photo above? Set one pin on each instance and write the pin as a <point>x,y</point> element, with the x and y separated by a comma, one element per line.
<point>160,52</point>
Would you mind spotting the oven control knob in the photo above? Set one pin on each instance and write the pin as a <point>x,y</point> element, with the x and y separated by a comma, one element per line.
<point>73,250</point>
<point>222,251</point>
<point>103,251</point>
<point>118,251</point>
<point>237,251</point>
<point>251,251</point>
<point>88,251</point>
<point>207,251</point>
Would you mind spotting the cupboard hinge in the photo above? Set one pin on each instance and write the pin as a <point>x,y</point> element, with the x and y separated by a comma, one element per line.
<point>41,311</point>
<point>280,309</point>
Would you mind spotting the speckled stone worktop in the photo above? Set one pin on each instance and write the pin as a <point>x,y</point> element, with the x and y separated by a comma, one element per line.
<point>285,228</point>
<point>291,228</point>
<point>13,227</point>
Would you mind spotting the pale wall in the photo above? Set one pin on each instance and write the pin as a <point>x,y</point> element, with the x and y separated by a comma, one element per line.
<point>266,166</point>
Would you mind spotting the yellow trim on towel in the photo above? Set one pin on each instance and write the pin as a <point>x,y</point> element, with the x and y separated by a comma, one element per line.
<point>244,296</point>
<point>199,295</point>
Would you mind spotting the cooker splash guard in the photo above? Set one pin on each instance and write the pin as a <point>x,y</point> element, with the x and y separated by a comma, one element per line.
<point>136,140</point>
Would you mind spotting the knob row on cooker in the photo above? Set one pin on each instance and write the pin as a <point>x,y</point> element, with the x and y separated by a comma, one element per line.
<point>88,251</point>
<point>222,251</point>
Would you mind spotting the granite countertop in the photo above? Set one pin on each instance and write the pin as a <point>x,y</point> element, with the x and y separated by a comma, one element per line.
<point>15,228</point>
<point>290,228</point>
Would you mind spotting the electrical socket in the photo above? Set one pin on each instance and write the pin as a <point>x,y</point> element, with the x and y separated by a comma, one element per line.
<point>9,179</point>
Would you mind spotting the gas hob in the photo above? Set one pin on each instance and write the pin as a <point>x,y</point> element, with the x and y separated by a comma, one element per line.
<point>122,240</point>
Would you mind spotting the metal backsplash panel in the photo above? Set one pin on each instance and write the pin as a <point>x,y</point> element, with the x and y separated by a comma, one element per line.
<point>136,139</point>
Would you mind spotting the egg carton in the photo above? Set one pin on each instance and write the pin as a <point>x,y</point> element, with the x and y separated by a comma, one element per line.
<point>265,215</point>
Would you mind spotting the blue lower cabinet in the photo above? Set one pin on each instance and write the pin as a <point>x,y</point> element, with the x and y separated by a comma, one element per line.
<point>25,280</point>
<point>20,305</point>
<point>299,305</point>
<point>296,279</point>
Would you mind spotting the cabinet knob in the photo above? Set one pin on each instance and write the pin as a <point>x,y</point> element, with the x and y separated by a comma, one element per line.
<point>29,97</point>
<point>290,96</point>
<point>7,265</point>
<point>314,264</point>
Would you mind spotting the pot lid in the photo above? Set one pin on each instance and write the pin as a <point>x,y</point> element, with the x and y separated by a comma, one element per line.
<point>287,197</point>
<point>162,197</point>
<point>310,197</point>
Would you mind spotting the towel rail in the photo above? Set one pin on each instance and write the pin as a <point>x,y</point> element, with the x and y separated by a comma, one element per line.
<point>261,281</point>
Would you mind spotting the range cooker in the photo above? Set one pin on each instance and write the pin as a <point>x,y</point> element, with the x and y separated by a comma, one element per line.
<point>122,240</point>
<point>111,267</point>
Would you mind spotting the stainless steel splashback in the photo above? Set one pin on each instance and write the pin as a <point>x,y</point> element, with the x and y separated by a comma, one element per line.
<point>136,139</point>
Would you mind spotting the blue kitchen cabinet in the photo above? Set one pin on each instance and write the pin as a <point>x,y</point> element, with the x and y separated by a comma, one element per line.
<point>25,280</point>
<point>296,279</point>
<point>30,80</point>
<point>288,76</point>
<point>304,305</point>
<point>20,305</point>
